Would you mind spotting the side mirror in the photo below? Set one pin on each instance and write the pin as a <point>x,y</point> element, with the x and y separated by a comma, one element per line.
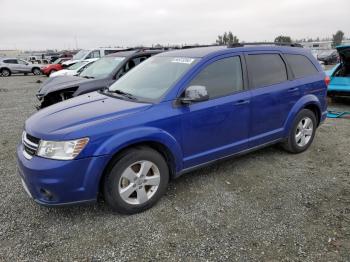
<point>195,94</point>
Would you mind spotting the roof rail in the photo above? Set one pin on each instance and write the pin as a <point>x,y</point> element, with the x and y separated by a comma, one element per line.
<point>195,46</point>
<point>265,43</point>
<point>145,48</point>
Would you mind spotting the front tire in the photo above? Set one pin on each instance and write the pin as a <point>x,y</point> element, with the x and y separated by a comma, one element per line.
<point>302,132</point>
<point>136,180</point>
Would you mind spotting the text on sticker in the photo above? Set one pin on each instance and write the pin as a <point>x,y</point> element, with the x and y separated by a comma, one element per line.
<point>182,60</point>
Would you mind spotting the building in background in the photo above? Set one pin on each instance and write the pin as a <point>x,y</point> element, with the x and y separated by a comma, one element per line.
<point>322,45</point>
<point>10,53</point>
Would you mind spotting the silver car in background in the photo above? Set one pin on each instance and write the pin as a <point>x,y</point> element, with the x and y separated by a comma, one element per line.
<point>10,66</point>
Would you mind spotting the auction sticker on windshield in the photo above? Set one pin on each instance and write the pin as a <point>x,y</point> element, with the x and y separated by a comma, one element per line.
<point>182,60</point>
<point>119,58</point>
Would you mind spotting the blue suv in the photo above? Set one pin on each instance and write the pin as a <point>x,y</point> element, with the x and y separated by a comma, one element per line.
<point>175,112</point>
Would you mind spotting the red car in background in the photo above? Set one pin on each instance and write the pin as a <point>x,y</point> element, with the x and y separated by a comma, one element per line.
<point>55,66</point>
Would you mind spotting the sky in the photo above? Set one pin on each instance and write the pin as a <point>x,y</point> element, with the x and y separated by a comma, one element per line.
<point>67,24</point>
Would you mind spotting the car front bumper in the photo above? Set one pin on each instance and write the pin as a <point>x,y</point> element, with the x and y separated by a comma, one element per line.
<point>57,183</point>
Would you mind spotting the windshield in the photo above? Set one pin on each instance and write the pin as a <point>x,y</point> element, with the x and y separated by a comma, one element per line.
<point>57,61</point>
<point>152,78</point>
<point>326,53</point>
<point>80,55</point>
<point>102,67</point>
<point>77,65</point>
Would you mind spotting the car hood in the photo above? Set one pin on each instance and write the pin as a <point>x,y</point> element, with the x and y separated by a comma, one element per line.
<point>61,83</point>
<point>68,62</point>
<point>60,121</point>
<point>64,72</point>
<point>344,50</point>
<point>48,65</point>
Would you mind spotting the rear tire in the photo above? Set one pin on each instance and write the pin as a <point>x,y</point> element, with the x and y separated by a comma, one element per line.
<point>136,180</point>
<point>5,72</point>
<point>52,71</point>
<point>302,132</point>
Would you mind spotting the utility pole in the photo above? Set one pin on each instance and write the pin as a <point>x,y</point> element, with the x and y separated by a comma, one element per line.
<point>76,42</point>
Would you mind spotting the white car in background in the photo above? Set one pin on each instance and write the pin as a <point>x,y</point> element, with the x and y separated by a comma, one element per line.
<point>89,54</point>
<point>74,69</point>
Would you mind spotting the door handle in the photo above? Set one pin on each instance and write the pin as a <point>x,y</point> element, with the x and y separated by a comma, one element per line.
<point>293,89</point>
<point>242,102</point>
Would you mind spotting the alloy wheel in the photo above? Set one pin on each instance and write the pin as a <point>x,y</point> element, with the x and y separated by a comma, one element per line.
<point>304,131</point>
<point>139,182</point>
<point>36,71</point>
<point>5,72</point>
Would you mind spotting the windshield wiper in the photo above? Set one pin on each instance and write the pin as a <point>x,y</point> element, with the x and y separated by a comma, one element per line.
<point>122,93</point>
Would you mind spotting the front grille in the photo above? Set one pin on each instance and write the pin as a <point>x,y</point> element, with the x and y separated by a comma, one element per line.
<point>30,145</point>
<point>29,150</point>
<point>33,139</point>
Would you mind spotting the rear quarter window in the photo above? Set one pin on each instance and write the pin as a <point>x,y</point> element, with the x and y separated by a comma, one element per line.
<point>10,61</point>
<point>266,69</point>
<point>301,65</point>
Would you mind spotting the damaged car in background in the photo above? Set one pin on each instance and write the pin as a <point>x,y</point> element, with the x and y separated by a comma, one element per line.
<point>100,75</point>
<point>340,74</point>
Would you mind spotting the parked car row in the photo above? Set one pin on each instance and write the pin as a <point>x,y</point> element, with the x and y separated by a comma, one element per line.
<point>154,116</point>
<point>54,67</point>
<point>74,69</point>
<point>87,54</point>
<point>98,76</point>
<point>53,64</point>
<point>49,58</point>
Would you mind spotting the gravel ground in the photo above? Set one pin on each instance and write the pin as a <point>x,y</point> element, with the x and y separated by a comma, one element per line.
<point>265,206</point>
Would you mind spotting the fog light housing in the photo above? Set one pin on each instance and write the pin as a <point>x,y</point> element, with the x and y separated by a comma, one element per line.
<point>46,194</point>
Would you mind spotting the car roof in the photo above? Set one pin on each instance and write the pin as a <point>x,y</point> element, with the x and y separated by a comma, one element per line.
<point>200,52</point>
<point>342,47</point>
<point>134,53</point>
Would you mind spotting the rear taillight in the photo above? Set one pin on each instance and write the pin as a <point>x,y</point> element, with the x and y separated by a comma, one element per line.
<point>327,80</point>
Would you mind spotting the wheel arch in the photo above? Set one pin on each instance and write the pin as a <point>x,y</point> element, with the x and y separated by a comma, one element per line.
<point>161,142</point>
<point>310,102</point>
<point>160,148</point>
<point>316,110</point>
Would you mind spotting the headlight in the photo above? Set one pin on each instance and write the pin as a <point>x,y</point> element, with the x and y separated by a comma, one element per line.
<point>65,150</point>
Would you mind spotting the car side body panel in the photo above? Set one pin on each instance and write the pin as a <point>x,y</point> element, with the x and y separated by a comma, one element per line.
<point>192,134</point>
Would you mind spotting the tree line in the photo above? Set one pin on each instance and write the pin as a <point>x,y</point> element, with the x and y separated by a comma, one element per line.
<point>228,38</point>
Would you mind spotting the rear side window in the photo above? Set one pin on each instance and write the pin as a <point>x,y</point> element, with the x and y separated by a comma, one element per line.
<point>11,61</point>
<point>301,65</point>
<point>93,54</point>
<point>221,78</point>
<point>22,62</point>
<point>266,69</point>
